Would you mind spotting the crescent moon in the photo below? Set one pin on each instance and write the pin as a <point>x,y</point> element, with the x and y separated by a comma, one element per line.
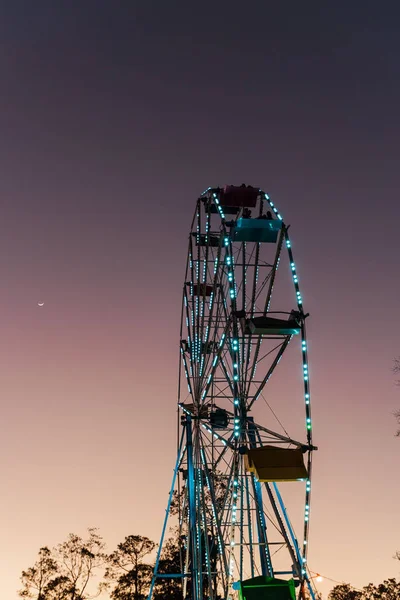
<point>40,303</point>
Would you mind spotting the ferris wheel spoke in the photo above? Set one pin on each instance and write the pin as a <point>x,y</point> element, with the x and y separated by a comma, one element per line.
<point>255,359</point>
<point>277,436</point>
<point>273,435</point>
<point>243,284</point>
<point>217,300</point>
<point>190,346</point>
<point>188,378</point>
<point>282,528</point>
<point>208,347</point>
<point>218,459</point>
<point>255,280</point>
<point>265,559</point>
<point>228,379</point>
<point>214,277</point>
<point>247,511</point>
<point>203,278</point>
<point>249,379</point>
<point>217,362</point>
<point>263,284</point>
<point>214,508</point>
<point>246,349</point>
<point>267,302</point>
<point>274,270</point>
<point>225,442</point>
<point>270,371</point>
<point>192,309</point>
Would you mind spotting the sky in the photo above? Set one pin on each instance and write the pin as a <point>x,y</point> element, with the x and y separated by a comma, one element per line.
<point>114,116</point>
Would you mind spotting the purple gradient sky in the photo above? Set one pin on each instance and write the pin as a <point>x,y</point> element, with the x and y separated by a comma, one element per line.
<point>113,117</point>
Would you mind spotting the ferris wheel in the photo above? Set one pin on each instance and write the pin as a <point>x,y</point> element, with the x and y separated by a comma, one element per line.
<point>242,313</point>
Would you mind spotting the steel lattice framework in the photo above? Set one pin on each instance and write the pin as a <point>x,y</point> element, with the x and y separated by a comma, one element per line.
<point>230,524</point>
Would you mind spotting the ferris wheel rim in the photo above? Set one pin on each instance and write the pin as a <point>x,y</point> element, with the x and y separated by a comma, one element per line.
<point>224,233</point>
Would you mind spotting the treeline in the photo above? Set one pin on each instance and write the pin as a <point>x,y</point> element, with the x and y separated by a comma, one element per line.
<point>81,569</point>
<point>388,590</point>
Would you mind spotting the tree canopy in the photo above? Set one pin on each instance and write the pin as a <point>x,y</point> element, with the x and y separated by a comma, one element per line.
<point>127,570</point>
<point>388,590</point>
<point>66,572</point>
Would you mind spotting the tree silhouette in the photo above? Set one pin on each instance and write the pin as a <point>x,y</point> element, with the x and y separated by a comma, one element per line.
<point>344,591</point>
<point>59,588</point>
<point>388,590</point>
<point>126,568</point>
<point>36,579</point>
<point>65,573</point>
<point>79,561</point>
<point>170,562</point>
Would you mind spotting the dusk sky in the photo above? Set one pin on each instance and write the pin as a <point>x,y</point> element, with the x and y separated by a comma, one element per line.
<point>114,117</point>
